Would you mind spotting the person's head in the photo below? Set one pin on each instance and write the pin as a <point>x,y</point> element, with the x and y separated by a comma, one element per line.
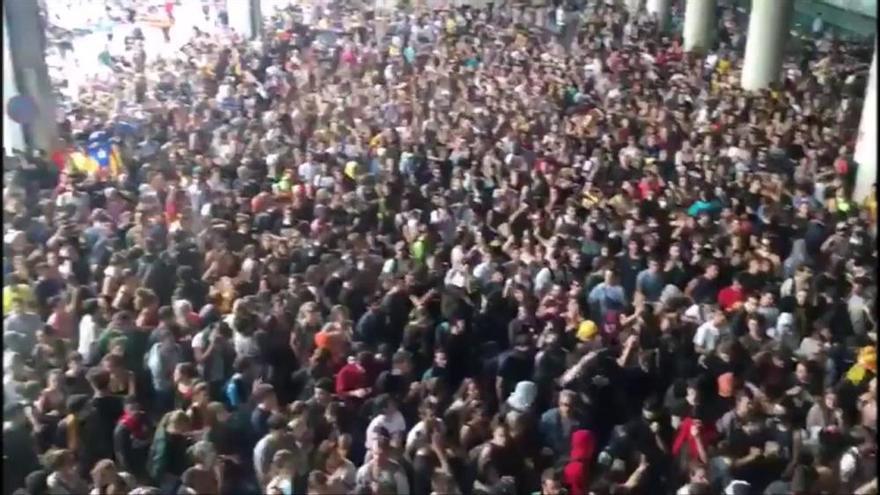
<point>719,318</point>
<point>402,361</point>
<point>185,373</point>
<point>692,392</point>
<point>567,403</point>
<point>53,379</point>
<point>440,359</point>
<point>323,391</point>
<point>133,406</point>
<point>61,461</point>
<point>103,472</point>
<point>99,379</point>
<point>654,264</point>
<point>386,405</point>
<point>216,414</point>
<point>829,400</point>
<point>500,434</point>
<point>611,277</point>
<point>75,362</point>
<point>284,462</point>
<point>522,343</point>
<point>744,403</point>
<point>276,423</point>
<point>712,271</point>
<point>178,423</point>
<point>264,395</point>
<point>698,474</point>
<point>318,482</point>
<point>244,365</point>
<point>551,482</point>
<point>382,448</point>
<point>754,322</point>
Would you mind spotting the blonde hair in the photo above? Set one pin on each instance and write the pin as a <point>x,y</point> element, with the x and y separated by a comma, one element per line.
<point>178,422</point>
<point>283,459</point>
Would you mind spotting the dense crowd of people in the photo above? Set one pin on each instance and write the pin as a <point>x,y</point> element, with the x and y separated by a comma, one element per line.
<point>474,251</point>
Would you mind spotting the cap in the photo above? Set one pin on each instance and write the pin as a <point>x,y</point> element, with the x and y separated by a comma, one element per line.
<point>587,330</point>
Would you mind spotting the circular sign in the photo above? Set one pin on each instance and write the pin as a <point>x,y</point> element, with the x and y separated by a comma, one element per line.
<point>21,109</point>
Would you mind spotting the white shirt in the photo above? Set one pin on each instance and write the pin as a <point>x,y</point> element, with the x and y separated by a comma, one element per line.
<point>88,334</point>
<point>394,424</point>
<point>307,171</point>
<point>415,434</point>
<point>849,462</point>
<point>707,336</point>
<point>244,345</point>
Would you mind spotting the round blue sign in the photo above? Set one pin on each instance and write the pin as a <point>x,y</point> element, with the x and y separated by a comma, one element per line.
<point>21,109</point>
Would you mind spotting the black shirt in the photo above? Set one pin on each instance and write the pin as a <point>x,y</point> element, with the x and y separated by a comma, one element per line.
<point>513,368</point>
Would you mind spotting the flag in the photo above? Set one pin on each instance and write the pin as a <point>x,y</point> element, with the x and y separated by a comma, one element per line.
<point>104,156</point>
<point>80,162</point>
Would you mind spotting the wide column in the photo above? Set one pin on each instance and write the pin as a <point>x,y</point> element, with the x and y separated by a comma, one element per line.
<point>24,38</point>
<point>245,17</point>
<point>765,45</point>
<point>699,25</point>
<point>659,9</point>
<point>633,6</point>
<point>866,144</point>
<point>13,134</point>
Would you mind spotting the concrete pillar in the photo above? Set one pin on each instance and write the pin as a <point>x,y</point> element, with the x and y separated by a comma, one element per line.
<point>769,23</point>
<point>866,144</point>
<point>633,6</point>
<point>699,25</point>
<point>245,17</point>
<point>24,37</point>
<point>659,9</point>
<point>13,134</point>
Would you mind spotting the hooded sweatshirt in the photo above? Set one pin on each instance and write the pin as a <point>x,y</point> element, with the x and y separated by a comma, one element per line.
<point>577,472</point>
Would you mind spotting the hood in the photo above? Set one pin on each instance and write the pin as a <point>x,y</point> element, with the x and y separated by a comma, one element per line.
<point>785,319</point>
<point>583,444</point>
<point>523,396</point>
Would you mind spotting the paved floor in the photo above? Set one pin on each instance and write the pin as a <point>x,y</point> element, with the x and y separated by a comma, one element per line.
<point>82,64</point>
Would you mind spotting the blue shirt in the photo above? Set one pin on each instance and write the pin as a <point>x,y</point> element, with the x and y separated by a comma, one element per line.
<point>605,297</point>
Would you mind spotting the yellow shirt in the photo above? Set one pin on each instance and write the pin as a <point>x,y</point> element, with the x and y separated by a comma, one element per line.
<point>20,293</point>
<point>450,26</point>
<point>870,204</point>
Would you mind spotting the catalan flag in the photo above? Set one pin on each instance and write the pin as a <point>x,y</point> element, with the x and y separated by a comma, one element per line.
<point>105,155</point>
<point>99,157</point>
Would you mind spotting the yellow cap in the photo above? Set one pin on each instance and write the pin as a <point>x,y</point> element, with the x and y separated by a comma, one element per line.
<point>587,330</point>
<point>351,169</point>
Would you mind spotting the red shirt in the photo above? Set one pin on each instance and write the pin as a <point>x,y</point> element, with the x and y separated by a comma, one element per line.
<point>350,377</point>
<point>729,296</point>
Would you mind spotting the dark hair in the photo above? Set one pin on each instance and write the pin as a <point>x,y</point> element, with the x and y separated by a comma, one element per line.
<point>188,370</point>
<point>90,306</point>
<point>98,378</point>
<point>166,313</point>
<point>242,364</point>
<point>276,422</point>
<point>382,402</point>
<point>133,403</point>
